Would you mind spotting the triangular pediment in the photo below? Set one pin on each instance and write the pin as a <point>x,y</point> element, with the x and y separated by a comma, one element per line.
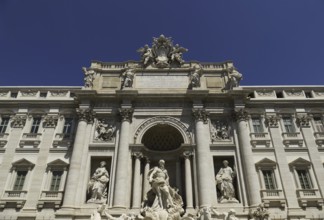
<point>57,163</point>
<point>300,162</point>
<point>266,162</point>
<point>23,163</point>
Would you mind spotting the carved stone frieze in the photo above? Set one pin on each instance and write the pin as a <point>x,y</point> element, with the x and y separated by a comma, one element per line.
<point>126,114</point>
<point>272,120</point>
<point>200,114</point>
<point>85,114</point>
<point>3,94</point>
<point>58,93</point>
<point>294,93</point>
<point>265,93</point>
<point>219,130</point>
<point>104,131</point>
<point>50,121</point>
<point>18,121</point>
<point>241,115</point>
<point>162,54</point>
<point>303,120</point>
<point>28,93</point>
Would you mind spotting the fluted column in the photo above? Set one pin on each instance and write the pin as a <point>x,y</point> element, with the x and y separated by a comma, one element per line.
<point>85,116</point>
<point>136,202</point>
<point>121,183</point>
<point>146,184</point>
<point>205,177</point>
<point>188,178</point>
<point>251,178</point>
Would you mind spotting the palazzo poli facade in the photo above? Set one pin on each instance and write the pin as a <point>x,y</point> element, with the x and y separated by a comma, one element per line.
<point>161,139</point>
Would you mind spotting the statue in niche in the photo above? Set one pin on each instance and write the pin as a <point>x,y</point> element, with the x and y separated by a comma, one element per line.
<point>88,77</point>
<point>234,78</point>
<point>195,76</point>
<point>128,77</point>
<point>104,132</point>
<point>97,186</point>
<point>162,201</point>
<point>224,182</point>
<point>261,213</point>
<point>220,130</point>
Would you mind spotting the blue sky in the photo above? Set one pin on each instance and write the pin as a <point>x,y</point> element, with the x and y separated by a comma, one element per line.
<point>271,42</point>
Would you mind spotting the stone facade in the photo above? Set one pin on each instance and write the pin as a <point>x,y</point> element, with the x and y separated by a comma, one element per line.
<point>66,150</point>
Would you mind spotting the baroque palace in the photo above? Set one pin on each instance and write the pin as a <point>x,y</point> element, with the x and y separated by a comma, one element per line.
<point>161,139</point>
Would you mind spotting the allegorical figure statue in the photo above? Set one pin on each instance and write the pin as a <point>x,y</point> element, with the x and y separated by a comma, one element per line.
<point>235,78</point>
<point>127,78</point>
<point>88,77</point>
<point>97,186</point>
<point>163,202</point>
<point>195,76</point>
<point>224,182</point>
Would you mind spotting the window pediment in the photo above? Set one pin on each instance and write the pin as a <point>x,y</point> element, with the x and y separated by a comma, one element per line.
<point>266,162</point>
<point>23,163</point>
<point>300,162</point>
<point>58,163</point>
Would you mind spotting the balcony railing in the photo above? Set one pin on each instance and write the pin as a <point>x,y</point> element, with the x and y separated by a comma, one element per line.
<point>51,197</point>
<point>17,197</point>
<point>33,139</point>
<point>319,136</point>
<point>271,193</point>
<point>306,193</point>
<point>15,194</point>
<point>273,197</point>
<point>290,138</point>
<point>3,139</point>
<point>260,139</point>
<point>309,197</point>
<point>63,140</point>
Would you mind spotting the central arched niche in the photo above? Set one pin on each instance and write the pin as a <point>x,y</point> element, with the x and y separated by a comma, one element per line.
<point>162,137</point>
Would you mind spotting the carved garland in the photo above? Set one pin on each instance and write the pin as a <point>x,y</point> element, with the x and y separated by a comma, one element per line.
<point>162,120</point>
<point>303,120</point>
<point>18,121</point>
<point>50,121</point>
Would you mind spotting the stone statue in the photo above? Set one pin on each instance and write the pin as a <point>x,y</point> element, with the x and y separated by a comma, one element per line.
<point>224,182</point>
<point>97,186</point>
<point>234,78</point>
<point>195,76</point>
<point>220,131</point>
<point>162,54</point>
<point>162,201</point>
<point>231,215</point>
<point>88,77</point>
<point>104,132</point>
<point>261,213</point>
<point>128,77</point>
<point>96,215</point>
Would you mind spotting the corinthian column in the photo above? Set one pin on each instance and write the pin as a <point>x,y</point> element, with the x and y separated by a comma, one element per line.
<point>137,180</point>
<point>188,178</point>
<point>251,178</point>
<point>205,177</point>
<point>122,175</point>
<point>146,184</point>
<point>85,116</point>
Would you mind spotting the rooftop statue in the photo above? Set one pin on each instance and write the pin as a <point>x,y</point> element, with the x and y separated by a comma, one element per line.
<point>163,202</point>
<point>162,54</point>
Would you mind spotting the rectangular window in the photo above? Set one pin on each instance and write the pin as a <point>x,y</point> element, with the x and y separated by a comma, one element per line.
<point>35,125</point>
<point>257,125</point>
<point>67,128</point>
<point>318,124</point>
<point>268,177</point>
<point>56,180</point>
<point>20,180</point>
<point>288,123</point>
<point>304,179</point>
<point>4,124</point>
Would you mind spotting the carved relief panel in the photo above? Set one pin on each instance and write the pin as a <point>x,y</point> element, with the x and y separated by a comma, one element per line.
<point>220,130</point>
<point>105,130</point>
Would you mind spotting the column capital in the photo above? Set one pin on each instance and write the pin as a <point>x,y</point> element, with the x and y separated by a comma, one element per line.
<point>241,114</point>
<point>200,114</point>
<point>147,159</point>
<point>85,114</point>
<point>272,120</point>
<point>303,119</point>
<point>50,121</point>
<point>126,114</point>
<point>18,121</point>
<point>137,155</point>
<point>187,154</point>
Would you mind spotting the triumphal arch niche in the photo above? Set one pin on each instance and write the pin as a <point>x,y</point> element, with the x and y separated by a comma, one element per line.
<point>165,133</point>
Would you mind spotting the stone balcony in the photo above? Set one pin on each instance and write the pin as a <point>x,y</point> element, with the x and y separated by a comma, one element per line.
<point>319,138</point>
<point>62,140</point>
<point>13,197</point>
<point>260,139</point>
<point>30,139</point>
<point>3,139</point>
<point>273,198</point>
<point>309,197</point>
<point>50,199</point>
<point>292,138</point>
